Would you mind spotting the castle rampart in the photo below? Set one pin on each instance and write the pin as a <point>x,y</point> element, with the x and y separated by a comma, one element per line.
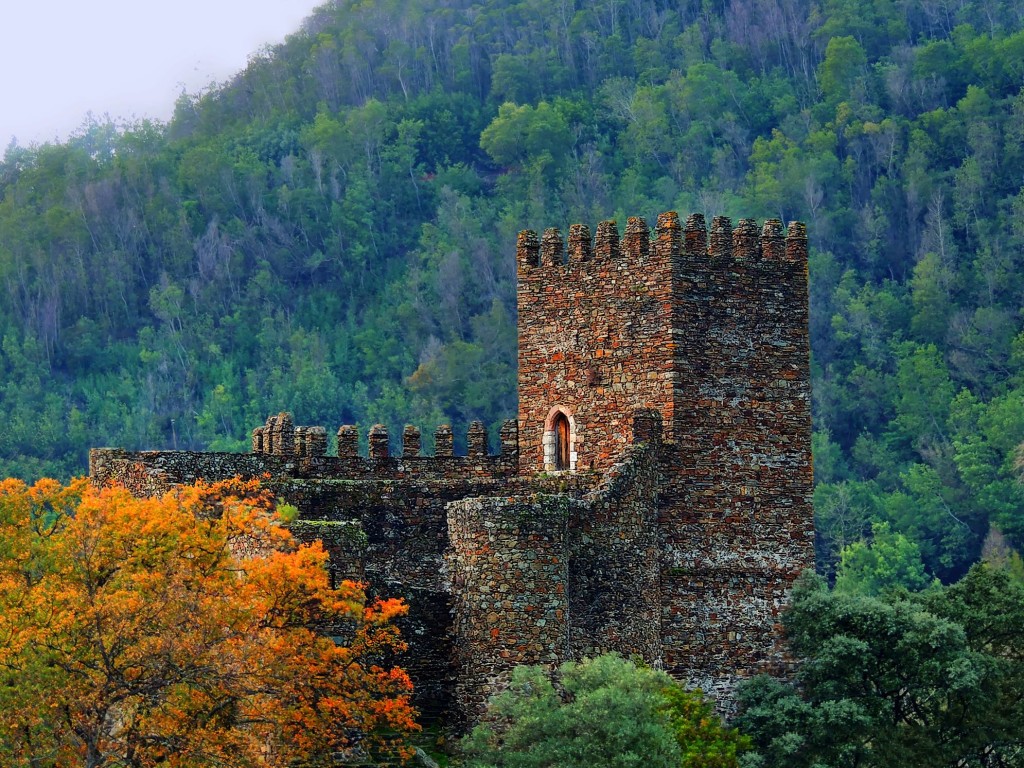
<point>652,497</point>
<point>508,567</point>
<point>152,472</point>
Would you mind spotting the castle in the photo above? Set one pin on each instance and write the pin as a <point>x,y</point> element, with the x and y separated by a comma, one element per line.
<point>653,497</point>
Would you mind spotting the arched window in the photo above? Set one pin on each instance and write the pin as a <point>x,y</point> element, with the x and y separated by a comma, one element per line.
<point>559,440</point>
<point>562,442</point>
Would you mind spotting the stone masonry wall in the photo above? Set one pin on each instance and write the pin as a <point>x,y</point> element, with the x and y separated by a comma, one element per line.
<point>405,527</point>
<point>614,547</point>
<point>594,339</point>
<point>541,578</point>
<point>150,472</point>
<point>735,506</point>
<point>507,567</point>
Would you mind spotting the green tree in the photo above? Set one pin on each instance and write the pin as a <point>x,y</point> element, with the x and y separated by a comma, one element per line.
<point>939,516</point>
<point>522,134</point>
<point>889,560</point>
<point>928,679</point>
<point>604,711</point>
<point>705,742</point>
<point>931,289</point>
<point>845,60</point>
<point>924,397</point>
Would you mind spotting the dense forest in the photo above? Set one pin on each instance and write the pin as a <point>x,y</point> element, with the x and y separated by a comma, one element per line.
<point>331,232</point>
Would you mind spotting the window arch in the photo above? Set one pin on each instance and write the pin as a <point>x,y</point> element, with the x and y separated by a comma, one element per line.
<point>559,441</point>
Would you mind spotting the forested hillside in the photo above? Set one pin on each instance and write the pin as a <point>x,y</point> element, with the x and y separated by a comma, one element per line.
<point>332,231</point>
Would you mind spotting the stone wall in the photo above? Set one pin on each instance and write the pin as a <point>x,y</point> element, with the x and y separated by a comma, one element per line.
<point>614,592</point>
<point>543,578</point>
<point>594,339</point>
<point>149,472</point>
<point>735,506</point>
<point>507,568</point>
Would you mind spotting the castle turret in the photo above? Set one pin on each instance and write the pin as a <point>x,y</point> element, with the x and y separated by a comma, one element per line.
<point>507,564</point>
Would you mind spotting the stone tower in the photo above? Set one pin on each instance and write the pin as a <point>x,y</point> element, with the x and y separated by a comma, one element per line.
<point>712,334</point>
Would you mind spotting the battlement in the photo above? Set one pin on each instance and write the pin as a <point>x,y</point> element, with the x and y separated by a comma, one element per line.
<point>282,450</point>
<point>724,242</point>
<point>279,437</point>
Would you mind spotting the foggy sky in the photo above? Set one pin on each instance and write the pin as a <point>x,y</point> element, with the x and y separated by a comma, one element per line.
<point>61,59</point>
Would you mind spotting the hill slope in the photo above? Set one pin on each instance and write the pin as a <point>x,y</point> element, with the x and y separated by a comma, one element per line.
<point>331,231</point>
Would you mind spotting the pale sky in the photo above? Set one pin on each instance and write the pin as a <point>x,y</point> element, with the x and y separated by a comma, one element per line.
<point>61,59</point>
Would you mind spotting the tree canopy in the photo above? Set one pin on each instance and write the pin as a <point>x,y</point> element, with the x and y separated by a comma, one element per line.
<point>183,631</point>
<point>331,232</point>
<point>928,679</point>
<point>602,711</point>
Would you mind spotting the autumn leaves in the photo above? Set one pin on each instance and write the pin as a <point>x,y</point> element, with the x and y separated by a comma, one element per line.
<point>180,631</point>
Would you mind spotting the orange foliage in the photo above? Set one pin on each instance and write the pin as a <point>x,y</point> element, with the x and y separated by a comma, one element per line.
<point>188,630</point>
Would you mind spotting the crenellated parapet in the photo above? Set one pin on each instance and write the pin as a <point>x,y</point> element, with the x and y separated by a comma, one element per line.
<point>348,441</point>
<point>278,434</point>
<point>444,441</point>
<point>310,441</point>
<point>378,441</point>
<point>476,440</point>
<point>746,241</point>
<point>410,441</point>
<point>280,437</point>
<point>153,472</point>
<point>509,439</point>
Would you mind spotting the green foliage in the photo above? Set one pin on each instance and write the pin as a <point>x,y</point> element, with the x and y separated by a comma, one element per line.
<point>842,516</point>
<point>996,553</point>
<point>607,715</point>
<point>330,232</point>
<point>525,134</point>
<point>889,561</point>
<point>705,742</point>
<point>905,680</point>
<point>287,512</point>
<point>602,711</point>
<point>845,61</point>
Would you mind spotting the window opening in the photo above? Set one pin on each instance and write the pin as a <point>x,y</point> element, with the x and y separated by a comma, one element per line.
<point>561,442</point>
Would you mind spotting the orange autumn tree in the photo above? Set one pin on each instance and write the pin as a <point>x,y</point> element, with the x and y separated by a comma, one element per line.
<point>187,630</point>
